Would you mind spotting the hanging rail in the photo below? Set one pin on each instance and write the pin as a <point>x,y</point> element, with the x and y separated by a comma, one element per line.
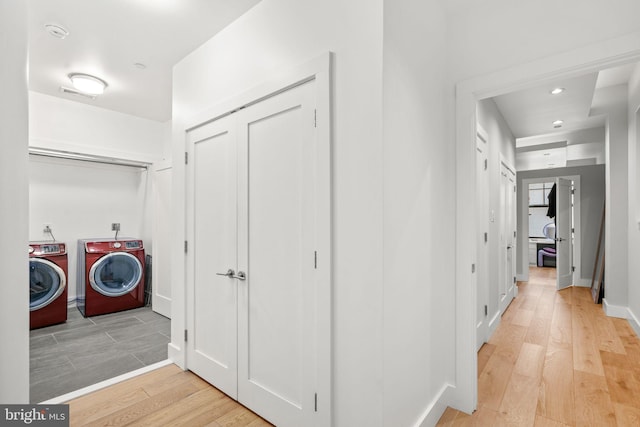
<point>62,154</point>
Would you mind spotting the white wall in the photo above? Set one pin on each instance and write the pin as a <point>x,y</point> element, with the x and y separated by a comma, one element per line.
<point>418,198</point>
<point>14,199</point>
<point>612,102</point>
<point>66,125</point>
<point>496,34</point>
<point>278,34</point>
<point>634,199</point>
<point>501,143</point>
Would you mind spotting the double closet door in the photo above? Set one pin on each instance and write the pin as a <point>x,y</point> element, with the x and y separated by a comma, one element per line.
<point>252,256</point>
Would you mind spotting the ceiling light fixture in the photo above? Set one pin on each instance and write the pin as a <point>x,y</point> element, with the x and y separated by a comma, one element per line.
<point>88,84</point>
<point>557,123</point>
<point>547,154</point>
<point>57,31</point>
<point>139,65</point>
<point>557,91</point>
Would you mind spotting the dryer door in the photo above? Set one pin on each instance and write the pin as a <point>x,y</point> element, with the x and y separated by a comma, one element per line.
<point>46,283</point>
<point>115,274</point>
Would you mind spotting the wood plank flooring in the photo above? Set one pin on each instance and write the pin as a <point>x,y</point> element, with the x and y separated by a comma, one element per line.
<point>556,360</point>
<point>167,396</point>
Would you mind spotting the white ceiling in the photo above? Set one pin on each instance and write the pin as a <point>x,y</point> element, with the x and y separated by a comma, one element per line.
<point>107,37</point>
<point>530,114</point>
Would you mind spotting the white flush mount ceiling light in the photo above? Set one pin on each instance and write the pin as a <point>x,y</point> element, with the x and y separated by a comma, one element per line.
<point>57,31</point>
<point>557,123</point>
<point>88,84</point>
<point>557,91</point>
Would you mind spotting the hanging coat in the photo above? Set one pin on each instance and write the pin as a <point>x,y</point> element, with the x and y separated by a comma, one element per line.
<point>551,212</point>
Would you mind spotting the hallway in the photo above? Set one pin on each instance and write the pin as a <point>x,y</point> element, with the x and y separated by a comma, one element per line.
<point>556,360</point>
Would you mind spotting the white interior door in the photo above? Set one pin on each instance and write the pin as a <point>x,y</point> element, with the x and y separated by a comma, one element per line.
<point>212,232</point>
<point>276,319</point>
<point>564,256</point>
<point>161,267</point>
<point>256,214</point>
<point>507,237</point>
<point>482,203</point>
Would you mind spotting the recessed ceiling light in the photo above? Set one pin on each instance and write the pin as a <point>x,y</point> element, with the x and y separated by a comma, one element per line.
<point>57,31</point>
<point>547,154</point>
<point>139,65</point>
<point>88,84</point>
<point>557,123</point>
<point>557,91</point>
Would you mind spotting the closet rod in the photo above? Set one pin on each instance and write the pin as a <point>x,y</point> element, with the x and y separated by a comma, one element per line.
<point>62,154</point>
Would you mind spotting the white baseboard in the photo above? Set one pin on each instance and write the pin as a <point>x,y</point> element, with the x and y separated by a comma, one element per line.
<point>106,383</point>
<point>522,277</point>
<point>583,283</point>
<point>493,324</point>
<point>615,310</point>
<point>436,408</point>
<point>634,322</point>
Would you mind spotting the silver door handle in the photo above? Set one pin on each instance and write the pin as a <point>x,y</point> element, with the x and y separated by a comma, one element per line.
<point>230,274</point>
<point>240,276</point>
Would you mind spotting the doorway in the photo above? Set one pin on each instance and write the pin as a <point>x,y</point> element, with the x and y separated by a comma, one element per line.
<point>467,94</point>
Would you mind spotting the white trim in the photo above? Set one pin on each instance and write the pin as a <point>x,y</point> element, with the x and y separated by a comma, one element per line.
<point>106,383</point>
<point>436,408</point>
<point>582,282</point>
<point>523,277</point>
<point>634,322</point>
<point>618,311</point>
<point>592,58</point>
<point>495,322</point>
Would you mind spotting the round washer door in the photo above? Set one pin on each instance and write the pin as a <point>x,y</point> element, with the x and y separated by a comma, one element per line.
<point>115,274</point>
<point>46,282</point>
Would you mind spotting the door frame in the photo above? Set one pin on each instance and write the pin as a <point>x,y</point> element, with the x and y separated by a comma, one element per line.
<point>577,242</point>
<point>320,70</point>
<point>591,58</point>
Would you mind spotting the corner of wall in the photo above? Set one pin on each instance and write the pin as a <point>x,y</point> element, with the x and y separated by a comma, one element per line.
<point>615,310</point>
<point>634,322</point>
<point>437,407</point>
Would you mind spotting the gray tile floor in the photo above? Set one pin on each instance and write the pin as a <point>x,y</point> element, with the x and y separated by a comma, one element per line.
<point>85,351</point>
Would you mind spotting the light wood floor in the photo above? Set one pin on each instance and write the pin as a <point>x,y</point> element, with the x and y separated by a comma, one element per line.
<point>165,397</point>
<point>556,360</point>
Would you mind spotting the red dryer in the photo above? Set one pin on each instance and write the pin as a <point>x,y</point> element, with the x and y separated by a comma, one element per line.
<point>110,275</point>
<point>48,266</point>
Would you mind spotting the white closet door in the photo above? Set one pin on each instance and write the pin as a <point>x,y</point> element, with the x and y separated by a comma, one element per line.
<point>276,318</point>
<point>564,244</point>
<point>161,267</point>
<point>212,232</point>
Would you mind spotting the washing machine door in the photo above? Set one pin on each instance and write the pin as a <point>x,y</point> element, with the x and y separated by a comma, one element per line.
<point>46,282</point>
<point>115,274</point>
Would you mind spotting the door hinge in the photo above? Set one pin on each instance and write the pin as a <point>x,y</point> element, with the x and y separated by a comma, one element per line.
<point>486,237</point>
<point>573,230</point>
<point>573,191</point>
<point>185,335</point>
<point>573,268</point>
<point>315,402</point>
<point>186,246</point>
<point>315,259</point>
<point>315,118</point>
<point>486,310</point>
<point>473,268</point>
<point>514,279</point>
<point>186,158</point>
<point>486,164</point>
<point>514,234</point>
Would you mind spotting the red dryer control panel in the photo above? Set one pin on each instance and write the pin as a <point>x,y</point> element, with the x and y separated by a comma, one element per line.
<point>40,249</point>
<point>113,245</point>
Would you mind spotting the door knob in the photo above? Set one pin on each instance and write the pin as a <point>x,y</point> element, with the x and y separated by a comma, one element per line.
<point>240,276</point>
<point>230,273</point>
